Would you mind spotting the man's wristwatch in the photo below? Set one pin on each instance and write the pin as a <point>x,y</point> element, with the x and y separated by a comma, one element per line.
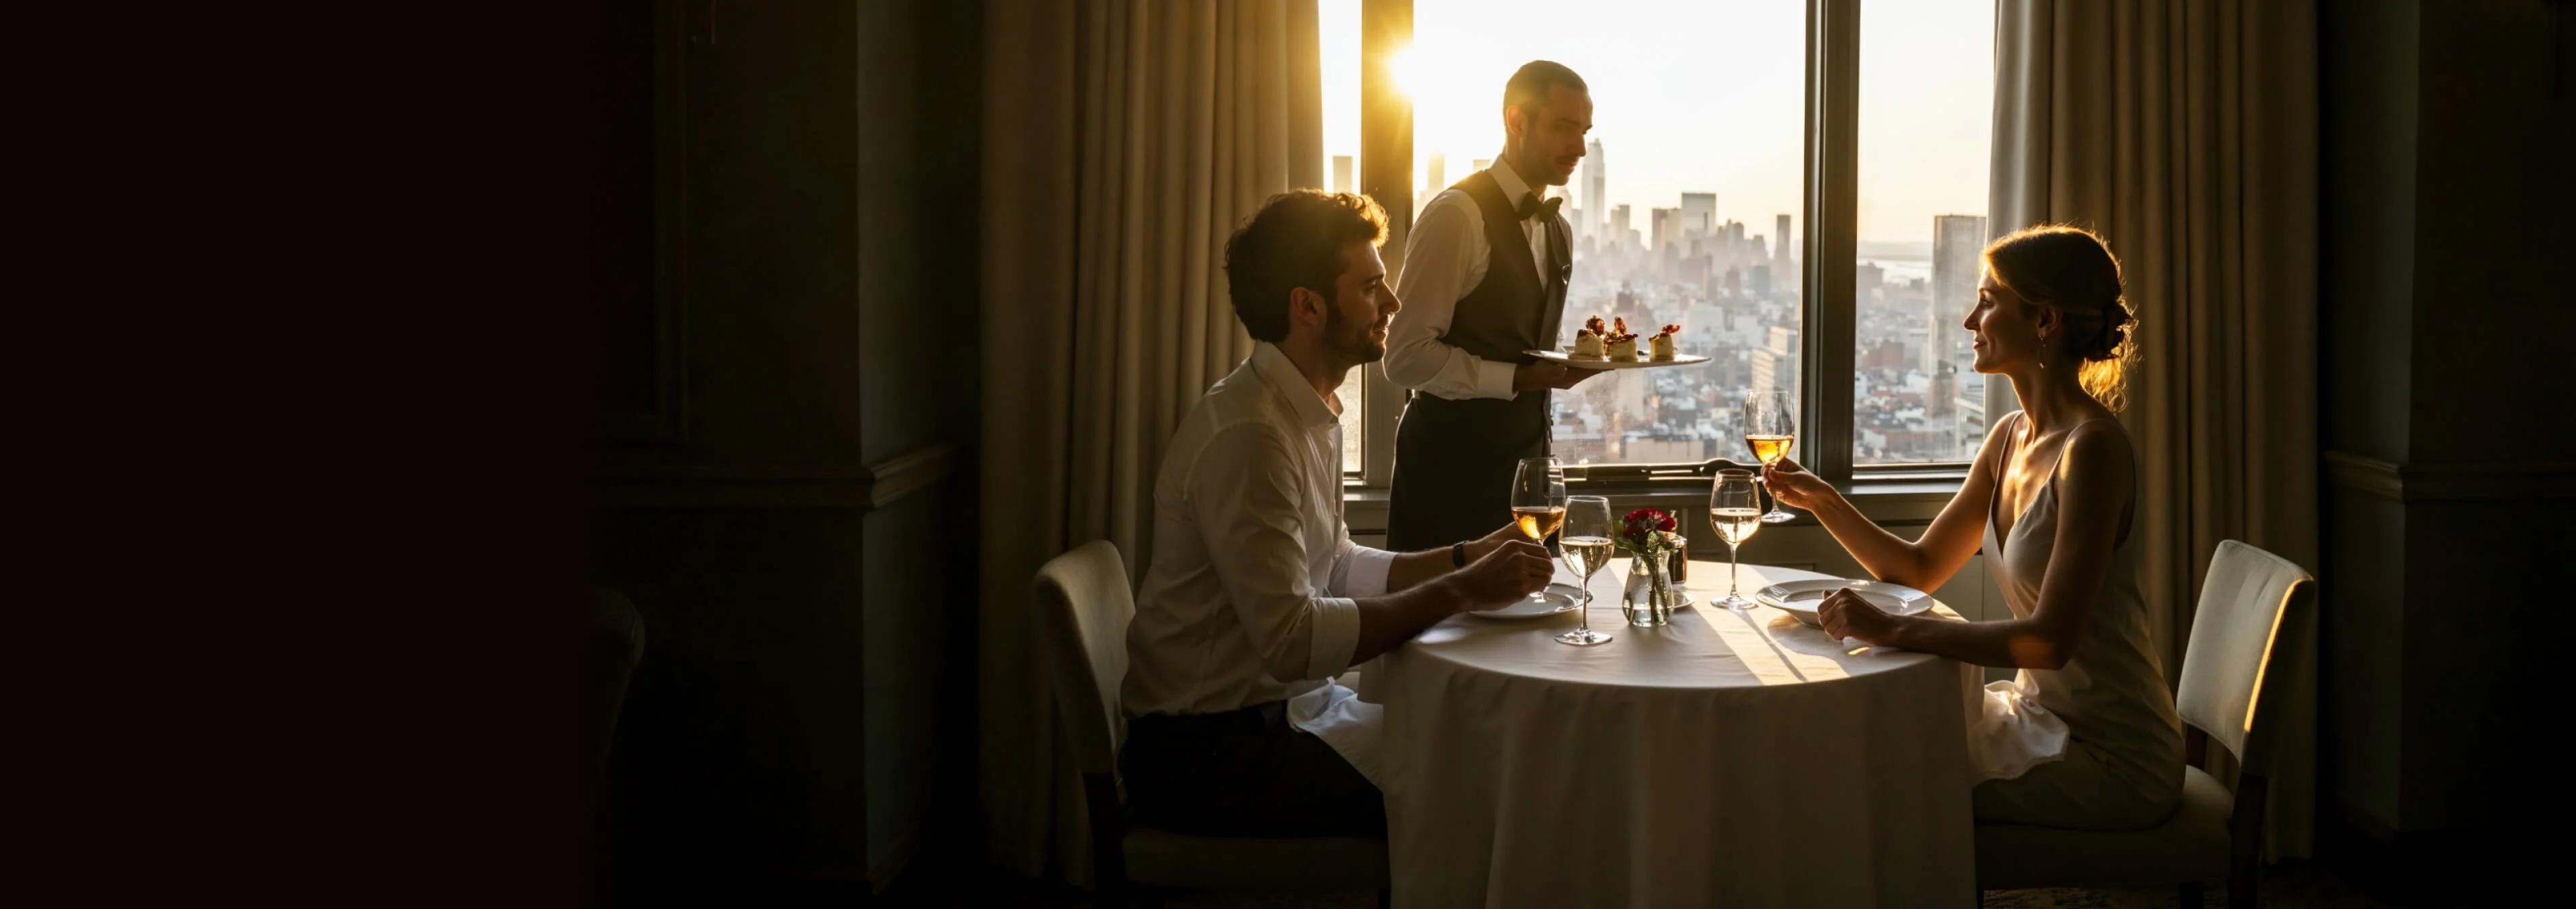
<point>1458,554</point>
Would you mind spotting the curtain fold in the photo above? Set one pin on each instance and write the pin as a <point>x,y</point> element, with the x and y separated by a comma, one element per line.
<point>2185,131</point>
<point>1124,140</point>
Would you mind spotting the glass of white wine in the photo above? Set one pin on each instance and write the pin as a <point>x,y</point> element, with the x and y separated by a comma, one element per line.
<point>1538,502</point>
<point>1770,428</point>
<point>1586,547</point>
<point>1735,507</point>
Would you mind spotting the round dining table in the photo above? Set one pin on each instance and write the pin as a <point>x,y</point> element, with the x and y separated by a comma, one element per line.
<point>1726,759</point>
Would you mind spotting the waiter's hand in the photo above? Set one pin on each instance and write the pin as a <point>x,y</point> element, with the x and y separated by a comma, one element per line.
<point>1543,374</point>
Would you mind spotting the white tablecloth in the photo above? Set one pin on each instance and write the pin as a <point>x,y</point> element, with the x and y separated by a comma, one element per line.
<point>1735,759</point>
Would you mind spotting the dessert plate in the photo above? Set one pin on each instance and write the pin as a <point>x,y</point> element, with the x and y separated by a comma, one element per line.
<point>1559,356</point>
<point>1800,598</point>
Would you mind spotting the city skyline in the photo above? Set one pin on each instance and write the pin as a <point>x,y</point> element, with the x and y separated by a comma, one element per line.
<point>1919,156</point>
<point>1688,227</point>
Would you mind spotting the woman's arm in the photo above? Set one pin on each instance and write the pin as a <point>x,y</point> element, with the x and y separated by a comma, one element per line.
<point>2093,492</point>
<point>1927,562</point>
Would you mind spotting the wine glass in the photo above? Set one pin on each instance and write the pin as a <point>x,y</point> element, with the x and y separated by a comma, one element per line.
<point>1586,546</point>
<point>1735,507</point>
<point>1538,502</point>
<point>1770,428</point>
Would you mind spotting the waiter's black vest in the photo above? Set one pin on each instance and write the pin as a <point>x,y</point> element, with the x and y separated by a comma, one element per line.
<point>1454,459</point>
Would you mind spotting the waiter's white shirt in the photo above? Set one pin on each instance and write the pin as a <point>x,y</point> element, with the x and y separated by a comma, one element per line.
<point>1444,260</point>
<point>1249,597</point>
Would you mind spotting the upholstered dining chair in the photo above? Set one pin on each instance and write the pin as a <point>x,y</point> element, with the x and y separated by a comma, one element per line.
<point>2251,599</point>
<point>1083,606</point>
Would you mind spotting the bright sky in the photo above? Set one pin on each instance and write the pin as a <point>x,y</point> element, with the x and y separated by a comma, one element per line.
<point>1701,96</point>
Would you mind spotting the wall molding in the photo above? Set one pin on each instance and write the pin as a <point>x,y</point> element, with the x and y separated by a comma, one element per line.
<point>905,474</point>
<point>2369,476</point>
<point>840,487</point>
<point>2511,480</point>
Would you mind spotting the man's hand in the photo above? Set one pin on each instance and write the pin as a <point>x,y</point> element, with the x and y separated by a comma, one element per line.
<point>1514,569</point>
<point>1480,547</point>
<point>1546,374</point>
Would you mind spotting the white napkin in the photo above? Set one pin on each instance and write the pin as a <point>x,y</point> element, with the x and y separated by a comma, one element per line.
<point>2013,733</point>
<point>1338,716</point>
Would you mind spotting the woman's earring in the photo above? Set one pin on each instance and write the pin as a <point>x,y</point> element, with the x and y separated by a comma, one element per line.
<point>2043,350</point>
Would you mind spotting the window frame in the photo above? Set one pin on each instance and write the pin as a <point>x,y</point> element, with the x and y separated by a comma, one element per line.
<point>1828,304</point>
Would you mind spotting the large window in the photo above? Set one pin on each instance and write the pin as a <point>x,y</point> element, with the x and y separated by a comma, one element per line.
<point>1719,128</point>
<point>1338,38</point>
<point>1679,207</point>
<point>1927,83</point>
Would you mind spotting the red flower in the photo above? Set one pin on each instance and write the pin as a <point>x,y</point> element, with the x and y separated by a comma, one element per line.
<point>1644,528</point>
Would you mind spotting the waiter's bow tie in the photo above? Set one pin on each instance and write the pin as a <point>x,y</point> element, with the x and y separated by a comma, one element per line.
<point>1531,207</point>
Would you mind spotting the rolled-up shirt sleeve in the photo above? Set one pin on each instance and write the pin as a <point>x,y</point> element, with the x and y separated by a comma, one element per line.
<point>1359,571</point>
<point>1245,495</point>
<point>1439,258</point>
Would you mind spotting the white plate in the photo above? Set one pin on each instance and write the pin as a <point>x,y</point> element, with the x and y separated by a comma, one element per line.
<point>1560,598</point>
<point>1800,598</point>
<point>1568,359</point>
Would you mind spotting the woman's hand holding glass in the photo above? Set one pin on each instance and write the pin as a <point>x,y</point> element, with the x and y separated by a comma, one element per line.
<point>1793,486</point>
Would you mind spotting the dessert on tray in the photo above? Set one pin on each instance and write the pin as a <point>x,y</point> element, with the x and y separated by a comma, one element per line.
<point>1622,342</point>
<point>1587,342</point>
<point>1614,343</point>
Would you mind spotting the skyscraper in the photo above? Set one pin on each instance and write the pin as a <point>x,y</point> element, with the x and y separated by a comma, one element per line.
<point>1619,224</point>
<point>1594,181</point>
<point>1439,175</point>
<point>1699,214</point>
<point>1775,363</point>
<point>1780,249</point>
<point>1341,173</point>
<point>1482,163</point>
<point>1956,242</point>
<point>1667,223</point>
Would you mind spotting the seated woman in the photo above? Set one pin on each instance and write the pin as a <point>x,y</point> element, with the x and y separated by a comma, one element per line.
<point>2086,736</point>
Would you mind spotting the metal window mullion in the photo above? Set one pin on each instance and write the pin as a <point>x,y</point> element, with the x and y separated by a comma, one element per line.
<point>1832,161</point>
<point>1386,174</point>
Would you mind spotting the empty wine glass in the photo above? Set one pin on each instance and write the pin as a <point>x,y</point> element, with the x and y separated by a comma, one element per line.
<point>1586,546</point>
<point>1735,508</point>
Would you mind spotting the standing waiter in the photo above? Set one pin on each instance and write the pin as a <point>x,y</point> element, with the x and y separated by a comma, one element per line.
<point>1484,279</point>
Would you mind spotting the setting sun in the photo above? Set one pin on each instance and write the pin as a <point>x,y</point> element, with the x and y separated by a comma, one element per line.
<point>1405,66</point>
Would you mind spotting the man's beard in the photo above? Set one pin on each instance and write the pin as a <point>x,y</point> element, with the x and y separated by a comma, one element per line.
<point>1351,341</point>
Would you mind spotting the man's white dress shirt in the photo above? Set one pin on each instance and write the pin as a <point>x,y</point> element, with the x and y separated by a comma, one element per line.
<point>1249,596</point>
<point>1444,260</point>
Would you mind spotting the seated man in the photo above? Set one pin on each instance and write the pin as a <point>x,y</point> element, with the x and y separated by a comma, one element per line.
<point>1256,597</point>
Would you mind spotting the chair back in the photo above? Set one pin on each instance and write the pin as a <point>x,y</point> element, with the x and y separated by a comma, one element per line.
<point>1083,606</point>
<point>2251,601</point>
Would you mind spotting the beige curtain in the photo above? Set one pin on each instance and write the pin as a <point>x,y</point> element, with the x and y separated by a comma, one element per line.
<point>1124,140</point>
<point>2185,131</point>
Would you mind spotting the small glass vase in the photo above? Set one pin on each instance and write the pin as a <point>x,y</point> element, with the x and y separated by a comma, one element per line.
<point>1651,594</point>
